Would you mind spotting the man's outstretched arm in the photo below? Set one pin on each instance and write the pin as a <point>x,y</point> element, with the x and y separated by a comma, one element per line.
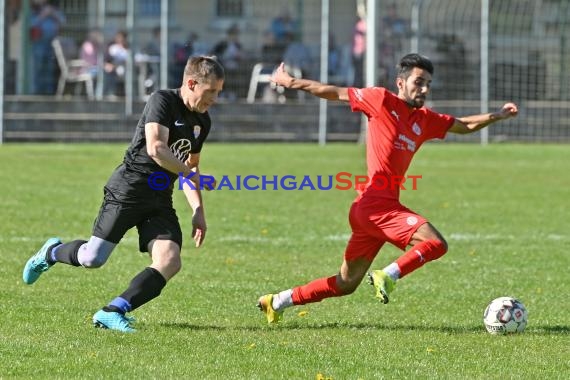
<point>473,123</point>
<point>326,91</point>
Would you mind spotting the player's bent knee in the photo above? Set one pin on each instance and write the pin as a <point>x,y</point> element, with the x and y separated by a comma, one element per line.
<point>95,252</point>
<point>437,248</point>
<point>346,287</point>
<point>166,258</point>
<point>95,262</point>
<point>349,290</point>
<point>175,266</point>
<point>172,265</point>
<point>444,244</point>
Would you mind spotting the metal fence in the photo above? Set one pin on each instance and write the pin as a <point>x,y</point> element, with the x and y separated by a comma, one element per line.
<point>485,52</point>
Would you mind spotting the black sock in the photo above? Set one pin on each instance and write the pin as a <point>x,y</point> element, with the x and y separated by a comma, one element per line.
<point>66,253</point>
<point>144,287</point>
<point>48,253</point>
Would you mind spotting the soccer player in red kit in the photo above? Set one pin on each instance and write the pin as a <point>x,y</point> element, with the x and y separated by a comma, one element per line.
<point>397,126</point>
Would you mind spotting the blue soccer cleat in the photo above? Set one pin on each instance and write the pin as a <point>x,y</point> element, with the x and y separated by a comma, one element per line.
<point>113,321</point>
<point>37,264</point>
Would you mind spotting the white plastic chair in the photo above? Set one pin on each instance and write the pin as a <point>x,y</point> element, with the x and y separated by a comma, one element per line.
<point>261,74</point>
<point>72,71</point>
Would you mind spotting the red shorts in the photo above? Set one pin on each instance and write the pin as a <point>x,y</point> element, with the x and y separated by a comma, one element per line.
<point>377,221</point>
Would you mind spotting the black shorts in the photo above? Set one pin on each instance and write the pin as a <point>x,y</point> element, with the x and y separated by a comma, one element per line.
<point>154,218</point>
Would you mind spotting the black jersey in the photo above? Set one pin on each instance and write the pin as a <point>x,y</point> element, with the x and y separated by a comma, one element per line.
<point>187,132</point>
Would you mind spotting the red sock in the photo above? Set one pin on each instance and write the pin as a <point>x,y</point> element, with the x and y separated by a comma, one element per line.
<point>316,290</point>
<point>420,254</point>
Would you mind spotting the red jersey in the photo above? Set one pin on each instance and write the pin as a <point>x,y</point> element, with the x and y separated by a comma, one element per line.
<point>395,133</point>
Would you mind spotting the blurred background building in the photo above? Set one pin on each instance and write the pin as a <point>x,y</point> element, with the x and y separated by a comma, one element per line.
<point>79,70</point>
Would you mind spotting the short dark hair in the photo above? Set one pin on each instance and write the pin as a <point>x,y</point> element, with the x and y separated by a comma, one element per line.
<point>411,61</point>
<point>200,68</point>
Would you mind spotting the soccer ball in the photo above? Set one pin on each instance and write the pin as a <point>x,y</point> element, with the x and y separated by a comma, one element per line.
<point>505,315</point>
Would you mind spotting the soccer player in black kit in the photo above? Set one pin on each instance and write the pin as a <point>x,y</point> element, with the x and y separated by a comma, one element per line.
<point>168,139</point>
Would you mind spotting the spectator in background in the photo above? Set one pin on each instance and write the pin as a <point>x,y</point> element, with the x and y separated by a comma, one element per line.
<point>45,24</point>
<point>229,52</point>
<point>14,40</point>
<point>181,53</point>
<point>393,31</point>
<point>283,26</point>
<point>152,47</point>
<point>115,65</point>
<point>396,25</point>
<point>271,56</point>
<point>335,57</point>
<point>298,55</point>
<point>271,51</point>
<point>359,48</point>
<point>298,62</point>
<point>151,60</point>
<point>90,50</point>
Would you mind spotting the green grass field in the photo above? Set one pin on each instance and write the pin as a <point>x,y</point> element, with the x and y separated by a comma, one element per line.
<point>502,208</point>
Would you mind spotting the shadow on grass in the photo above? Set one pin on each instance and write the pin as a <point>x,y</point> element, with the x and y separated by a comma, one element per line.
<point>323,326</point>
<point>549,330</point>
<point>538,330</point>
